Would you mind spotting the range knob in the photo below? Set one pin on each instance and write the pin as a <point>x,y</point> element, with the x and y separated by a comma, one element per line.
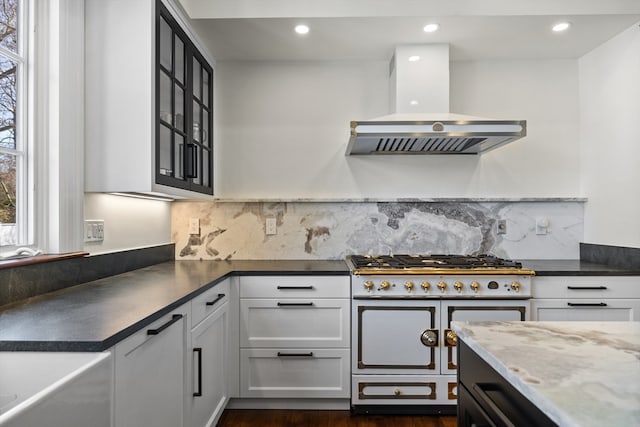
<point>458,286</point>
<point>425,286</point>
<point>475,286</point>
<point>408,286</point>
<point>442,286</point>
<point>515,286</point>
<point>385,285</point>
<point>368,285</point>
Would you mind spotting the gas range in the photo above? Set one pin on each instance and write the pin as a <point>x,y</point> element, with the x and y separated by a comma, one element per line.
<point>404,355</point>
<point>438,276</point>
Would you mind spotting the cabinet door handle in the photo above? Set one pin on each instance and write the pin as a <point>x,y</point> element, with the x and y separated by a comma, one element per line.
<point>295,304</point>
<point>310,354</point>
<point>218,298</point>
<point>587,304</point>
<point>310,287</point>
<point>173,320</point>
<point>192,160</point>
<point>587,288</point>
<point>491,405</point>
<point>198,351</point>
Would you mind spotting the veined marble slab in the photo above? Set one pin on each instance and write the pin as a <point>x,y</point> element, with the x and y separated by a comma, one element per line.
<point>578,373</point>
<point>333,230</point>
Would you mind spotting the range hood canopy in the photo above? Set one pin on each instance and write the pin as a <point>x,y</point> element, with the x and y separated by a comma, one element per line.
<point>422,83</point>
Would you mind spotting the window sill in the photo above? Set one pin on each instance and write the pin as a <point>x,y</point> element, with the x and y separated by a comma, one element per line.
<point>40,259</point>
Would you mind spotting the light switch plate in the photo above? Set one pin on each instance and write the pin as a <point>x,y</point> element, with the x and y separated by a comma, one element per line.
<point>94,230</point>
<point>270,226</point>
<point>194,226</point>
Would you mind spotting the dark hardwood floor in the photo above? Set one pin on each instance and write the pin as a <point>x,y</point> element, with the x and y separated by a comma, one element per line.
<point>310,418</point>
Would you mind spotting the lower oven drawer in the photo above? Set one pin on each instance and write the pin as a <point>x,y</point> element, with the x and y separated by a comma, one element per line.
<point>403,390</point>
<point>294,373</point>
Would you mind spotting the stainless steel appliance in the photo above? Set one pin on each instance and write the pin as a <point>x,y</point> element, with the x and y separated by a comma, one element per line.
<point>403,350</point>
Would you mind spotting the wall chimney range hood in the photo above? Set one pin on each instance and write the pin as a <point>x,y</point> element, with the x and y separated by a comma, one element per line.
<point>420,123</point>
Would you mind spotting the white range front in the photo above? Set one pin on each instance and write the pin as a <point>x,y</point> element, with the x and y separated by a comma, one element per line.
<point>404,357</point>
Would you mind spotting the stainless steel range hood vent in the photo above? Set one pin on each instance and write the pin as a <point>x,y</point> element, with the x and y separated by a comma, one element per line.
<point>421,124</point>
<point>422,134</point>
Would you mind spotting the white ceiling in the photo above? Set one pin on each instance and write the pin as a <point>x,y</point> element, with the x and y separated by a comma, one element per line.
<point>370,29</point>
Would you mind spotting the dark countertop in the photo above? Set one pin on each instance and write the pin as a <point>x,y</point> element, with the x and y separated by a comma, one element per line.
<point>96,315</point>
<point>574,267</point>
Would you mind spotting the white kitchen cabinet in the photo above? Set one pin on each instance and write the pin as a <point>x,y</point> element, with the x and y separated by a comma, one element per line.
<point>294,336</point>
<point>294,373</point>
<point>149,102</point>
<point>289,322</point>
<point>207,393</point>
<point>586,298</point>
<point>149,374</point>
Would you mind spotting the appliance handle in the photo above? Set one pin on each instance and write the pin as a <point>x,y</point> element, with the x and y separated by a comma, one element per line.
<point>310,287</point>
<point>198,351</point>
<point>490,404</point>
<point>587,288</point>
<point>173,320</point>
<point>587,304</point>
<point>218,298</point>
<point>295,304</point>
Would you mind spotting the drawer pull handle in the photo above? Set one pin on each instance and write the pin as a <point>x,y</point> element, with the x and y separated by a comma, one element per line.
<point>218,298</point>
<point>310,354</point>
<point>587,304</point>
<point>198,350</point>
<point>295,304</point>
<point>587,288</point>
<point>173,320</point>
<point>309,288</point>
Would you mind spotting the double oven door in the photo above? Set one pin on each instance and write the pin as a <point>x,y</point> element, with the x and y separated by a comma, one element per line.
<point>403,351</point>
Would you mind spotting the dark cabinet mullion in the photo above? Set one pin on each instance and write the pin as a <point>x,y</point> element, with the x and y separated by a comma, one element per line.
<point>190,98</point>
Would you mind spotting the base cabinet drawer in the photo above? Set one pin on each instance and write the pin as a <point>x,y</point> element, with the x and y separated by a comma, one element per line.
<point>295,287</point>
<point>289,323</point>
<point>586,309</point>
<point>294,373</point>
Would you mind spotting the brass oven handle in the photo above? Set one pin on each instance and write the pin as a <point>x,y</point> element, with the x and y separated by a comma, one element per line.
<point>451,338</point>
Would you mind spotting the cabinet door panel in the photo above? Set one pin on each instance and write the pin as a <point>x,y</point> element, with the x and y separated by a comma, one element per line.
<point>149,376</point>
<point>208,391</point>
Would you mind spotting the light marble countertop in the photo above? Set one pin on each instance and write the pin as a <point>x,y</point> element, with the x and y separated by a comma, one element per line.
<point>577,373</point>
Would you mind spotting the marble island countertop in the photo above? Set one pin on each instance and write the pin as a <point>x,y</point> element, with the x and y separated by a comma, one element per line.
<point>578,373</point>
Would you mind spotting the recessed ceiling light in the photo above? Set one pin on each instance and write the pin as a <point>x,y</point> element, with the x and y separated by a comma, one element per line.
<point>561,26</point>
<point>301,29</point>
<point>414,102</point>
<point>414,58</point>
<point>430,28</point>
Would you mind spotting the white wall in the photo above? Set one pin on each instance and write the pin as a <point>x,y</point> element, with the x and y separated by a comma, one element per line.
<point>609,78</point>
<point>282,129</point>
<point>129,223</point>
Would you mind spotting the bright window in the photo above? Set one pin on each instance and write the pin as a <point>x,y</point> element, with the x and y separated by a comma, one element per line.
<point>13,141</point>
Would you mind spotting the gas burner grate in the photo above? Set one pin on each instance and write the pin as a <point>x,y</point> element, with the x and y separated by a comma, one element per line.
<point>431,261</point>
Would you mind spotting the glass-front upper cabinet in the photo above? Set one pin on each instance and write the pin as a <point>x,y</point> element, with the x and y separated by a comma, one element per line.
<point>184,109</point>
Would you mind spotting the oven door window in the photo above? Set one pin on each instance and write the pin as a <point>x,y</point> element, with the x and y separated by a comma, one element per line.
<point>398,338</point>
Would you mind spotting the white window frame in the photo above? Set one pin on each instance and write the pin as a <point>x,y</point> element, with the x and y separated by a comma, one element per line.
<point>53,126</point>
<point>23,148</point>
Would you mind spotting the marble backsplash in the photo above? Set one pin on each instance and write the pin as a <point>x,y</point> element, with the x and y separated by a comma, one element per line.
<point>331,230</point>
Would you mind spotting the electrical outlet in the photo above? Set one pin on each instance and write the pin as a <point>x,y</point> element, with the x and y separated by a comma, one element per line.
<point>542,226</point>
<point>194,226</point>
<point>94,230</point>
<point>270,227</point>
<point>502,226</point>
